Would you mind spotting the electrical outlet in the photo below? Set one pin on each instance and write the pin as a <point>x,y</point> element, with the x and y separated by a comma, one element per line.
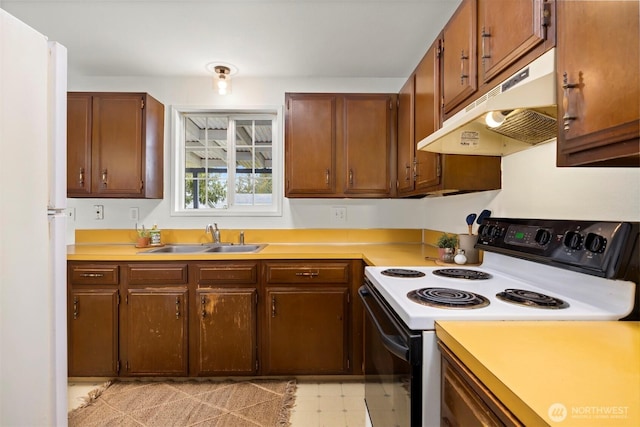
<point>71,214</point>
<point>134,213</point>
<point>339,214</point>
<point>99,211</point>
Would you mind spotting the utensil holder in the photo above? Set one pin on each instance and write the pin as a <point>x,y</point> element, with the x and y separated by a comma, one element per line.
<point>466,243</point>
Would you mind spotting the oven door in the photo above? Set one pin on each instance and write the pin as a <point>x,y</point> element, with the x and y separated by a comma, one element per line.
<point>392,365</point>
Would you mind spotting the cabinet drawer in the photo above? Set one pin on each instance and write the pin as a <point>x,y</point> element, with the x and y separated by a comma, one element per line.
<point>94,274</point>
<point>154,274</point>
<point>226,273</point>
<point>311,272</point>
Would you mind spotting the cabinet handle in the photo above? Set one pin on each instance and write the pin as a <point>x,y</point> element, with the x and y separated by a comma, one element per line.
<point>273,306</point>
<point>327,176</point>
<point>203,302</point>
<point>104,177</point>
<point>484,35</point>
<point>406,173</point>
<point>415,169</point>
<point>309,274</point>
<point>177,307</point>
<point>566,101</point>
<point>81,177</point>
<point>462,74</point>
<point>92,275</point>
<point>350,177</point>
<point>76,304</point>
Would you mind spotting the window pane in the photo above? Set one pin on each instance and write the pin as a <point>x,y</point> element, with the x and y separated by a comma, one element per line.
<point>208,147</point>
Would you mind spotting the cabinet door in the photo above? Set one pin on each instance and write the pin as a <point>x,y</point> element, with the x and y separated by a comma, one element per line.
<point>508,30</point>
<point>117,144</point>
<point>227,331</point>
<point>366,135</point>
<point>305,331</point>
<point>93,332</point>
<point>427,116</point>
<point>598,118</point>
<point>156,332</point>
<point>406,137</point>
<point>79,125</point>
<point>310,144</point>
<point>459,79</point>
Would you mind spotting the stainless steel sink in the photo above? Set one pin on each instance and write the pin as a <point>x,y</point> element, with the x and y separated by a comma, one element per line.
<point>236,248</point>
<point>194,249</point>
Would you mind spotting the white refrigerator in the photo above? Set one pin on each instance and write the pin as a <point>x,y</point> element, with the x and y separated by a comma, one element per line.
<point>33,330</point>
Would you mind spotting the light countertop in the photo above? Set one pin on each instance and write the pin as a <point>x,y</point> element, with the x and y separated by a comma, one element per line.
<point>569,373</point>
<point>375,247</point>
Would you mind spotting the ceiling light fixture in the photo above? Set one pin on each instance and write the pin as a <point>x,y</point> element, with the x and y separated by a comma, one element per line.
<point>222,79</point>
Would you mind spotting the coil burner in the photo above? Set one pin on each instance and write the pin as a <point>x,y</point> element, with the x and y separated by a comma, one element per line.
<point>531,299</point>
<point>447,298</point>
<point>402,272</point>
<point>462,273</point>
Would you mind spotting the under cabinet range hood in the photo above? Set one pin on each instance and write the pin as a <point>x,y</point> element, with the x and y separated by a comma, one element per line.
<point>517,114</point>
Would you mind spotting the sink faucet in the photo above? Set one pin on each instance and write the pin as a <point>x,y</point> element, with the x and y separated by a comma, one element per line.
<point>215,233</point>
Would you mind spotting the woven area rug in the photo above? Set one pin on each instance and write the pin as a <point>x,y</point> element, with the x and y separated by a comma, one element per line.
<point>265,403</point>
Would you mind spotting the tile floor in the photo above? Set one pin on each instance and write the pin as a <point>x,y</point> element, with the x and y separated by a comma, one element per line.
<point>318,404</point>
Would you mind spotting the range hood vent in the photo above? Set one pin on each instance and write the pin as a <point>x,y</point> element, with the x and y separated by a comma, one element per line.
<point>525,106</point>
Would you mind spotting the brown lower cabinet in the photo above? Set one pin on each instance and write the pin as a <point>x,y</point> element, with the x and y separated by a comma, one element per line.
<point>465,401</point>
<point>214,318</point>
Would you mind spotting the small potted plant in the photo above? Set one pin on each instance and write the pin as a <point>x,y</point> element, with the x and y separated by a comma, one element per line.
<point>446,245</point>
<point>143,238</point>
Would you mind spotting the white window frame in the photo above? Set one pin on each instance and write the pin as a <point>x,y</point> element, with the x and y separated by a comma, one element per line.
<point>178,173</point>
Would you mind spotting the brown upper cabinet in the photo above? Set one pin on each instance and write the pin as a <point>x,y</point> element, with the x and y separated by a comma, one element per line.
<point>598,83</point>
<point>510,29</point>
<point>339,145</point>
<point>486,41</point>
<point>459,76</point>
<point>114,145</point>
<point>422,172</point>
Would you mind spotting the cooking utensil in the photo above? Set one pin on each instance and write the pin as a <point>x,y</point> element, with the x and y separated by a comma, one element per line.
<point>484,214</point>
<point>470,218</point>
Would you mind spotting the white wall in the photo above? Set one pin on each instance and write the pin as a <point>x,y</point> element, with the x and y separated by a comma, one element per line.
<point>532,186</point>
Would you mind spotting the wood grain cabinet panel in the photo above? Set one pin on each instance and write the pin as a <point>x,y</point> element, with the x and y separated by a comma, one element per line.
<point>598,108</point>
<point>510,29</point>
<point>93,332</point>
<point>339,145</point>
<point>459,75</point>
<point>306,330</point>
<point>114,145</point>
<point>227,331</point>
<point>156,332</point>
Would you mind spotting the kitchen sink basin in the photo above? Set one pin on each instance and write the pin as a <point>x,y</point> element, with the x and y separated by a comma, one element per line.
<point>195,249</point>
<point>235,248</point>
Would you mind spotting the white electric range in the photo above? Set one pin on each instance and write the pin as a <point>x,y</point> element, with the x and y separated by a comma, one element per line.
<point>532,270</point>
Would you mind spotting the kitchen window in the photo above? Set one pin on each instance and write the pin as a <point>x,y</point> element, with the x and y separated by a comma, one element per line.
<point>227,163</point>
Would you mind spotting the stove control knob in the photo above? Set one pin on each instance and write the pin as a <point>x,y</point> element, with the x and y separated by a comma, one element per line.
<point>573,240</point>
<point>483,230</point>
<point>496,231</point>
<point>595,243</point>
<point>542,237</point>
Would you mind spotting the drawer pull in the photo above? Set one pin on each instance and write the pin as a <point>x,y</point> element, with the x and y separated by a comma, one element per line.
<point>93,275</point>
<point>309,274</point>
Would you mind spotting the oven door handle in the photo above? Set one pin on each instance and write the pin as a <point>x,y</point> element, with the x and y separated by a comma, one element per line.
<point>394,343</point>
